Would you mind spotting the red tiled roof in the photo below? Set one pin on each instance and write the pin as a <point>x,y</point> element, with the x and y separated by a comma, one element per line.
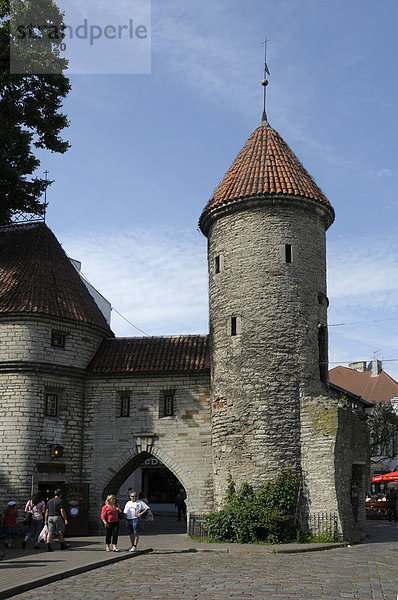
<point>266,167</point>
<point>374,389</point>
<point>151,354</point>
<point>36,277</point>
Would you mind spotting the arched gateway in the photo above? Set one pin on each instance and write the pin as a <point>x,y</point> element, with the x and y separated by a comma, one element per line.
<point>110,486</point>
<point>67,383</point>
<point>149,397</point>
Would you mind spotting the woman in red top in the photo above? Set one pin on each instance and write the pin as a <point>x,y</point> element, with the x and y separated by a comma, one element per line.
<point>9,522</point>
<point>110,516</point>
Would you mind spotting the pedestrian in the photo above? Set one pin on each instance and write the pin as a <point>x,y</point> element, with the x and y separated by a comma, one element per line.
<point>147,516</point>
<point>134,510</point>
<point>180,504</point>
<point>392,504</point>
<point>55,519</point>
<point>34,515</point>
<point>9,522</point>
<point>111,514</point>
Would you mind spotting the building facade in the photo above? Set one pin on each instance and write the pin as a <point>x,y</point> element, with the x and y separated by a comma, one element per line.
<point>250,400</point>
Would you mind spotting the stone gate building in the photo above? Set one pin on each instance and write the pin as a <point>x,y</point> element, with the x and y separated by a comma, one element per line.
<point>83,408</point>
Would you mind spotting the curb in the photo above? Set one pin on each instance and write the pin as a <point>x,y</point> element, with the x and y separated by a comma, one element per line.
<point>313,549</point>
<point>268,550</point>
<point>24,587</point>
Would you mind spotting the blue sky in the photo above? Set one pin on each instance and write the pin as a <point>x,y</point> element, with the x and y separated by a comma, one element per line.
<point>148,150</point>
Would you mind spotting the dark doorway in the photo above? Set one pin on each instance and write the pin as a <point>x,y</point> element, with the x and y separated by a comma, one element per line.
<point>159,484</point>
<point>75,496</point>
<point>47,488</point>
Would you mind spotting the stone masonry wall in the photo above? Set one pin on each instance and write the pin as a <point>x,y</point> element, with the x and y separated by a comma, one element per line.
<point>27,434</point>
<point>30,368</point>
<point>319,423</point>
<point>334,448</point>
<point>29,339</point>
<point>182,442</point>
<point>259,374</point>
<point>352,466</point>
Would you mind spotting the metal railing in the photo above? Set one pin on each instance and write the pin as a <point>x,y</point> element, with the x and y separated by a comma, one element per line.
<point>196,526</point>
<point>320,523</point>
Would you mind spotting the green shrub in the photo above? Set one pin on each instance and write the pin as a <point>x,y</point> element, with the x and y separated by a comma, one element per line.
<point>265,516</point>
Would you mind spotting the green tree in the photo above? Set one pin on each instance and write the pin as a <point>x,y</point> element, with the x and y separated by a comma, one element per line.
<point>383,432</point>
<point>31,95</point>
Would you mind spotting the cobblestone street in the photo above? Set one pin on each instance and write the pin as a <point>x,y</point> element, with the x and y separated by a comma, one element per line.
<point>367,571</point>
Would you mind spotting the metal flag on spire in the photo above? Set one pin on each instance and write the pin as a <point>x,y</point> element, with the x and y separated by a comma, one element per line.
<point>264,82</point>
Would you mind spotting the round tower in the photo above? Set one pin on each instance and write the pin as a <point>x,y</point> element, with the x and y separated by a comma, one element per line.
<point>50,327</point>
<point>265,225</point>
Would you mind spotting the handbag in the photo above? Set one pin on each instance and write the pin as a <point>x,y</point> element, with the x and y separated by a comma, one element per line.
<point>28,519</point>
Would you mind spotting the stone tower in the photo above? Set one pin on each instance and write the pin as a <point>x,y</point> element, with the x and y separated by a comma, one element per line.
<point>265,225</point>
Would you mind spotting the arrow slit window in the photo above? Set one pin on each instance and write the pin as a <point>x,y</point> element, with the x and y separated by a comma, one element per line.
<point>167,405</point>
<point>51,405</point>
<point>125,406</point>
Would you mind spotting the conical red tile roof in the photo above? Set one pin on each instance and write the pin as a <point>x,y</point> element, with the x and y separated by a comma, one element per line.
<point>36,277</point>
<point>265,167</point>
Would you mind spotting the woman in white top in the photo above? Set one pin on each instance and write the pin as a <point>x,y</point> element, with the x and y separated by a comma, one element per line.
<point>36,508</point>
<point>134,510</point>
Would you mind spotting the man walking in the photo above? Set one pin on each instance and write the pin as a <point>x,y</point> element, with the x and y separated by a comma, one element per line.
<point>180,504</point>
<point>55,519</point>
<point>134,510</point>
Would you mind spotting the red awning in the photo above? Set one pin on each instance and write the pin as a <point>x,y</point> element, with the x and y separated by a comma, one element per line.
<point>386,477</point>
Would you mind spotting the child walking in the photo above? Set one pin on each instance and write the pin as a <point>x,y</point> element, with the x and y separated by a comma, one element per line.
<point>9,522</point>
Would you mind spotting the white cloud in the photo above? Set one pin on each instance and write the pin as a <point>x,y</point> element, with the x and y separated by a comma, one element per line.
<point>157,280</point>
<point>214,61</point>
<point>385,173</point>
<point>363,293</point>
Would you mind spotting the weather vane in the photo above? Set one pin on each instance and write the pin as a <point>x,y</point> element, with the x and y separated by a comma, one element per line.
<point>264,82</point>
<point>45,195</point>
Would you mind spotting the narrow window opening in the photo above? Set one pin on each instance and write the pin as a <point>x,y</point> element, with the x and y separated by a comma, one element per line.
<point>323,353</point>
<point>125,406</point>
<point>217,264</point>
<point>233,326</point>
<point>288,253</point>
<point>168,404</point>
<point>57,339</point>
<point>51,405</point>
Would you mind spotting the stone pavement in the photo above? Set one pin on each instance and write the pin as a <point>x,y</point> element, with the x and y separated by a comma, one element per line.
<point>179,568</point>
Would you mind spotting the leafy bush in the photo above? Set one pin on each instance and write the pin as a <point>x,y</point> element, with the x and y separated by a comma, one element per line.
<point>305,537</point>
<point>266,516</point>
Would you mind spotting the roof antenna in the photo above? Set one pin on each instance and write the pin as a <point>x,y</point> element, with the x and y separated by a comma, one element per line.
<point>264,82</point>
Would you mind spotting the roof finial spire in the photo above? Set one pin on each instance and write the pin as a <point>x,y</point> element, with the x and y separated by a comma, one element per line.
<point>264,82</point>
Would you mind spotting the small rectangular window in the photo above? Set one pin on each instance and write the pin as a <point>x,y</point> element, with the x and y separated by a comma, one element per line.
<point>288,253</point>
<point>51,405</point>
<point>125,406</point>
<point>233,326</point>
<point>168,404</point>
<point>58,339</point>
<point>217,264</point>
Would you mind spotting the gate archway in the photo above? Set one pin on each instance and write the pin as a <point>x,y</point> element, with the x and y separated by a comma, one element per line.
<point>126,467</point>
